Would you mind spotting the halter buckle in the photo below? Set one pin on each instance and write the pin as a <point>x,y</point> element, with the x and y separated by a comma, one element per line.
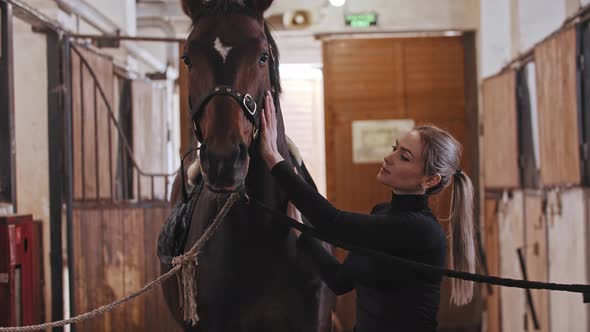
<point>244,101</point>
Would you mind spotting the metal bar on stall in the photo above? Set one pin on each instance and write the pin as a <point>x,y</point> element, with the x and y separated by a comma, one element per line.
<point>82,129</point>
<point>56,143</point>
<point>165,188</point>
<point>153,189</point>
<point>96,163</point>
<point>7,139</point>
<point>66,71</point>
<point>130,38</point>
<point>529,296</point>
<point>111,181</point>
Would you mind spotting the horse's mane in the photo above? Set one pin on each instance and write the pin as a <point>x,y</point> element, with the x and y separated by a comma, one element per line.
<point>226,7</point>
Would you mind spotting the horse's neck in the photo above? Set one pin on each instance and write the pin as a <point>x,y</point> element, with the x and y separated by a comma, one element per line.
<point>261,184</point>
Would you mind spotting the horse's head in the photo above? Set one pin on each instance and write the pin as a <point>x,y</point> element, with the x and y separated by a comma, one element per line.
<point>230,58</point>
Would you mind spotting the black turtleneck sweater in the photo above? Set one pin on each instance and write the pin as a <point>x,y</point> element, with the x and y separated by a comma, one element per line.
<point>388,297</point>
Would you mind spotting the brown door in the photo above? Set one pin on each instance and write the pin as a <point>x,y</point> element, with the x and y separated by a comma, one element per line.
<point>384,79</point>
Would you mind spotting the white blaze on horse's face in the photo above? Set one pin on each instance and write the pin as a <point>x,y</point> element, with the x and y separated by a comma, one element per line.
<point>222,49</point>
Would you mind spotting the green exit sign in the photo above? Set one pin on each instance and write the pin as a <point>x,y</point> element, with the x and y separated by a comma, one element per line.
<point>361,20</point>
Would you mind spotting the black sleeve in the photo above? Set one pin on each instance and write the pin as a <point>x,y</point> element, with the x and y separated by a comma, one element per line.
<point>380,232</point>
<point>329,268</point>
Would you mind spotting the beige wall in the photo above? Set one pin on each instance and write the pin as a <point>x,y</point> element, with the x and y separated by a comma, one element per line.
<point>394,15</point>
<point>511,27</point>
<point>31,136</point>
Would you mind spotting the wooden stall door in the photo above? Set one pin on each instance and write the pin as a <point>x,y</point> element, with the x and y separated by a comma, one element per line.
<point>556,66</point>
<point>119,260</point>
<point>93,176</point>
<point>511,237</point>
<point>536,258</point>
<point>567,257</point>
<point>500,140</point>
<point>422,79</point>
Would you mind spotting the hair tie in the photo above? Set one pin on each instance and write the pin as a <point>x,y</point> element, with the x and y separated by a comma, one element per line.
<point>458,172</point>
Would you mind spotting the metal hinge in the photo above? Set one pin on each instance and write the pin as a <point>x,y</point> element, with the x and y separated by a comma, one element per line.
<point>4,278</point>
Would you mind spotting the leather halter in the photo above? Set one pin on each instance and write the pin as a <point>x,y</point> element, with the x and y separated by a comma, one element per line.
<point>245,100</point>
<point>247,103</point>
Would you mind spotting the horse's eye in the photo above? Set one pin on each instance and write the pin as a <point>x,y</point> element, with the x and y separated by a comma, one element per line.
<point>263,58</point>
<point>186,60</point>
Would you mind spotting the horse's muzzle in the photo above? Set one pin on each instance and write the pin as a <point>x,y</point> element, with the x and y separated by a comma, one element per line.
<point>224,170</point>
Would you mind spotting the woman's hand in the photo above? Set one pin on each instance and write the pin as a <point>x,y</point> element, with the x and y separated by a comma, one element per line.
<point>268,133</point>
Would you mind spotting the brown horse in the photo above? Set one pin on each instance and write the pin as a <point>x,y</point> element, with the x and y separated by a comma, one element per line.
<point>249,276</point>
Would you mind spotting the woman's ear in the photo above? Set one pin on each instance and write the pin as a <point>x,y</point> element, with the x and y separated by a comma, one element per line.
<point>431,181</point>
<point>192,7</point>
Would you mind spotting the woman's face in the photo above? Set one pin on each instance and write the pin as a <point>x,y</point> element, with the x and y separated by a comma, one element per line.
<point>402,169</point>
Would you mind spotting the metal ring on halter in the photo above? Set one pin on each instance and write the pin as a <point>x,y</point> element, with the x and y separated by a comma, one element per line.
<point>247,98</point>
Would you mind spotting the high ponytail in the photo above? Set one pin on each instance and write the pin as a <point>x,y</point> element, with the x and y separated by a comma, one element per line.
<point>462,238</point>
<point>442,155</point>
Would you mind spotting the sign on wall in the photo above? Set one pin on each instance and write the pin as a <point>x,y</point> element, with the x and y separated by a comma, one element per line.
<point>361,20</point>
<point>372,139</point>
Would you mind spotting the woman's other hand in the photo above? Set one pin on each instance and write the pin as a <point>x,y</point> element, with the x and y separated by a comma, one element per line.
<point>268,133</point>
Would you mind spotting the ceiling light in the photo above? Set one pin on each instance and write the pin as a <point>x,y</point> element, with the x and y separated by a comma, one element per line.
<point>337,3</point>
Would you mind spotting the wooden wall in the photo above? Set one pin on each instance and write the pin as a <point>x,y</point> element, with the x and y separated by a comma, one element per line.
<point>500,141</point>
<point>115,255</point>
<point>397,78</point>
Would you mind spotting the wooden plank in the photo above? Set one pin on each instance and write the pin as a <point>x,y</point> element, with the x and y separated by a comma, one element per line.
<point>79,265</point>
<point>114,260</point>
<point>536,258</point>
<point>556,70</point>
<point>88,136</point>
<point>93,273</point>
<point>134,249</point>
<point>500,140</point>
<point>567,258</point>
<point>434,79</point>
<point>511,237</point>
<point>492,247</point>
<point>157,315</point>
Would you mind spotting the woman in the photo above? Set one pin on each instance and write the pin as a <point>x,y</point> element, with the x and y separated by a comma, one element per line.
<point>390,297</point>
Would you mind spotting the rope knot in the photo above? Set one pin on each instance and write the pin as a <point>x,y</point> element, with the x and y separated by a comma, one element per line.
<point>184,260</point>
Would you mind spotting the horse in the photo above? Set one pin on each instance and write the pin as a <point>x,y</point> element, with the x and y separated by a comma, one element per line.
<point>249,275</point>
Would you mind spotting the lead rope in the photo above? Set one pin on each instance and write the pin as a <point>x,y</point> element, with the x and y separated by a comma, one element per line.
<point>185,263</point>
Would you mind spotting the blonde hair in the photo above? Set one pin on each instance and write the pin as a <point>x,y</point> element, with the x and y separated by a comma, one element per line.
<point>442,155</point>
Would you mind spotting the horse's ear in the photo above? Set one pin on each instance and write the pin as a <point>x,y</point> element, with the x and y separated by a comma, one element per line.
<point>191,7</point>
<point>260,6</point>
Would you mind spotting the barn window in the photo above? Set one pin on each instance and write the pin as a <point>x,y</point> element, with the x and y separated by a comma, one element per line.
<point>528,140</point>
